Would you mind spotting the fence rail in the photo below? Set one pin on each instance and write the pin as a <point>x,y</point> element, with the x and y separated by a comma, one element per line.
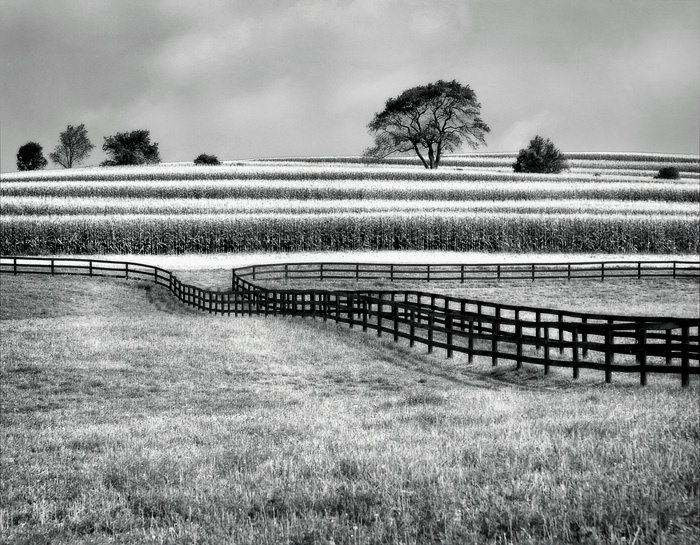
<point>600,270</point>
<point>546,337</point>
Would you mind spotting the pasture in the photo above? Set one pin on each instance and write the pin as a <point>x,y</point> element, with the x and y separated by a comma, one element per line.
<point>130,418</point>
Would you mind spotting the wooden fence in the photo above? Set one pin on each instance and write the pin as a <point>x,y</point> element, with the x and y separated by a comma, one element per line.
<point>467,272</point>
<point>551,338</point>
<point>215,302</point>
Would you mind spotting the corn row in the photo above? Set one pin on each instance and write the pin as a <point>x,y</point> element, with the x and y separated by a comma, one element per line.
<point>143,234</point>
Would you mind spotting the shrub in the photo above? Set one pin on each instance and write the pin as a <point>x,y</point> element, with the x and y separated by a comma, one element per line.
<point>204,159</point>
<point>668,173</point>
<point>540,156</point>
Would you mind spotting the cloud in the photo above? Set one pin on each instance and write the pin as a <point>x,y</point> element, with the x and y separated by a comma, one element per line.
<point>259,77</point>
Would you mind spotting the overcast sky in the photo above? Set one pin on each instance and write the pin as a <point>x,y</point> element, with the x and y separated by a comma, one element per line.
<point>256,78</point>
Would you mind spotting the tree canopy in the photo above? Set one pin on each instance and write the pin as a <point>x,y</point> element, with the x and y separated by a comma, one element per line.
<point>428,120</point>
<point>130,148</point>
<point>541,156</point>
<point>73,148</point>
<point>31,157</point>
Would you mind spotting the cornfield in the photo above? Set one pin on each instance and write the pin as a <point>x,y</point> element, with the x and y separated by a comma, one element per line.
<point>321,204</point>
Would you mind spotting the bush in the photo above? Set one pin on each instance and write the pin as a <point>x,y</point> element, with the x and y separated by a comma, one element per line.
<point>540,156</point>
<point>204,159</point>
<point>668,173</point>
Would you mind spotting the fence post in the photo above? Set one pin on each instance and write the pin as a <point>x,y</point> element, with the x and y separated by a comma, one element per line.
<point>351,313</point>
<point>52,267</point>
<point>533,272</point>
<point>560,320</point>
<point>642,354</point>
<point>495,331</point>
<point>538,329</point>
<point>431,324</point>
<point>568,271</point>
<point>609,353</point>
<point>584,338</point>
<point>395,316</point>
<point>428,274</point>
<point>546,350</point>
<point>685,360</point>
<point>470,342</point>
<point>412,328</point>
<point>574,348</point>
<point>364,314</point>
<point>90,267</point>
<point>518,342</point>
<point>669,346</point>
<point>462,273</point>
<point>602,271</point>
<point>639,269</point>
<point>448,327</point>
<point>498,272</point>
<point>674,269</point>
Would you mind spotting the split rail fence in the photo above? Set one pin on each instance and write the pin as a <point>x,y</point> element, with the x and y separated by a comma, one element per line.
<point>546,337</point>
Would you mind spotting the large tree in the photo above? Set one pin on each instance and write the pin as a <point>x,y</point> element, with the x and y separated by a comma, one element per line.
<point>30,156</point>
<point>130,148</point>
<point>428,120</point>
<point>73,148</point>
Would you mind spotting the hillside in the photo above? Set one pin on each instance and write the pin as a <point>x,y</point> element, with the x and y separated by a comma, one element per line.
<point>606,203</point>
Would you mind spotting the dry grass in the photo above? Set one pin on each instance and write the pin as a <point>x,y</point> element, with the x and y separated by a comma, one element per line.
<point>129,419</point>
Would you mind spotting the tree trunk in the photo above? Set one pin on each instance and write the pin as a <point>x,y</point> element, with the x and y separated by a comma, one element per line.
<point>420,156</point>
<point>431,156</point>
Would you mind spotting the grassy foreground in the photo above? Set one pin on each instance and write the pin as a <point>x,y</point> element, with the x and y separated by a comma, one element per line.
<point>127,418</point>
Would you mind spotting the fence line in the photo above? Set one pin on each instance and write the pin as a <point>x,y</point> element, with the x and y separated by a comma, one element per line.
<point>601,270</point>
<point>546,337</point>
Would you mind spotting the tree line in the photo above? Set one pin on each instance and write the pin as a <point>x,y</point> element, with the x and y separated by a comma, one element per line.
<point>74,146</point>
<point>427,120</point>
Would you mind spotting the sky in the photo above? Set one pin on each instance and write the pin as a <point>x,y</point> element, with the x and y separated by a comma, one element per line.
<point>267,78</point>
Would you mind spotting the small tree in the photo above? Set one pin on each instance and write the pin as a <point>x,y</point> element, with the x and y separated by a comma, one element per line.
<point>428,120</point>
<point>130,148</point>
<point>540,156</point>
<point>204,159</point>
<point>73,148</point>
<point>31,157</point>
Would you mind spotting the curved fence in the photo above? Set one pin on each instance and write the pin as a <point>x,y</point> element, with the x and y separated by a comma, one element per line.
<point>551,338</point>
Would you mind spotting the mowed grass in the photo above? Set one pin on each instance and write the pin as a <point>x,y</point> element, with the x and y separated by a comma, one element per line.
<point>678,298</point>
<point>127,418</point>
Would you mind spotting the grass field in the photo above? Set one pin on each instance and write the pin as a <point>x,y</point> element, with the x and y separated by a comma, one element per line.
<point>127,418</point>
